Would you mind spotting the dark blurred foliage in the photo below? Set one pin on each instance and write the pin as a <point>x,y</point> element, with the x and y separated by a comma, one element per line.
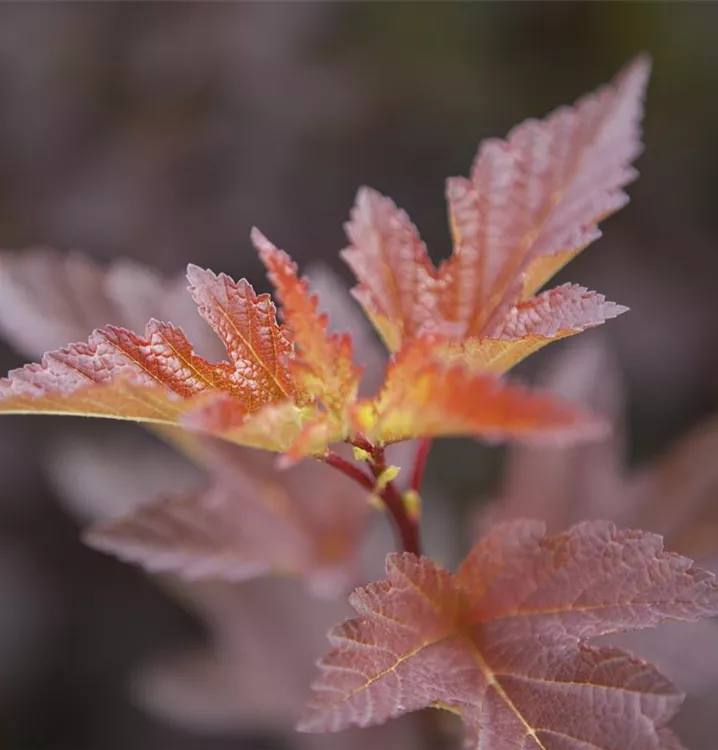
<point>162,132</point>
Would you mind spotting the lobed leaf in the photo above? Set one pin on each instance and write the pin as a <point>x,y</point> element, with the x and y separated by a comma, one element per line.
<point>390,261</point>
<point>246,323</point>
<point>502,642</point>
<point>539,193</point>
<point>563,311</point>
<point>48,298</point>
<point>308,522</point>
<point>424,396</point>
<point>531,204</point>
<point>158,378</point>
<point>106,377</point>
<point>326,369</point>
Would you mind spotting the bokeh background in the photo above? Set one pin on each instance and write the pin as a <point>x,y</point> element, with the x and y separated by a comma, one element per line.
<point>163,132</point>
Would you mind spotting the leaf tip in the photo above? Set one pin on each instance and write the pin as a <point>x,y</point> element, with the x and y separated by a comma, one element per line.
<point>639,68</point>
<point>260,241</point>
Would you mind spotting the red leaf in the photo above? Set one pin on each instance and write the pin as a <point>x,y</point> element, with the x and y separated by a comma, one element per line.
<point>531,204</point>
<point>326,371</point>
<point>674,496</point>
<point>501,642</point>
<point>307,522</point>
<point>48,299</point>
<point>158,377</point>
<point>424,396</point>
<point>246,323</point>
<point>540,192</point>
<point>396,276</point>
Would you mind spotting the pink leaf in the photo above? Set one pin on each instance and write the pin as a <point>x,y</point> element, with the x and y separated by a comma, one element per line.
<point>307,522</point>
<point>501,642</point>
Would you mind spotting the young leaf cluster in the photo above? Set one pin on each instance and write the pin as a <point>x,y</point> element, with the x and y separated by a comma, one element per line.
<point>503,641</point>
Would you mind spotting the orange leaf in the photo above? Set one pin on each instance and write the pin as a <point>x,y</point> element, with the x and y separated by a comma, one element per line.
<point>531,204</point>
<point>502,642</point>
<point>396,275</point>
<point>119,399</point>
<point>563,311</point>
<point>162,357</point>
<point>536,196</point>
<point>274,427</point>
<point>247,324</point>
<point>540,192</point>
<point>425,396</point>
<point>105,377</point>
<point>325,368</point>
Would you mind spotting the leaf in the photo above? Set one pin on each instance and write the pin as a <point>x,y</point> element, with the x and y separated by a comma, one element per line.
<point>390,261</point>
<point>538,195</point>
<point>326,371</point>
<point>123,365</point>
<point>423,396</point>
<point>502,642</point>
<point>308,522</point>
<point>552,315</point>
<point>246,323</point>
<point>532,203</point>
<point>674,495</point>
<point>540,192</point>
<point>48,298</point>
<point>117,374</point>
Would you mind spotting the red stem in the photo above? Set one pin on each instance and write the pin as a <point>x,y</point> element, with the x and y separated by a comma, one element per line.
<point>353,472</point>
<point>406,527</point>
<point>422,453</point>
<point>364,444</point>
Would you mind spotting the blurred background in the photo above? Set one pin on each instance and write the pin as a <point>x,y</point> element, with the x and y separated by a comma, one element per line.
<point>163,132</point>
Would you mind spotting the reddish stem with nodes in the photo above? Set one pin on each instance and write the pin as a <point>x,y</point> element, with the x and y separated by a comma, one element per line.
<point>348,468</point>
<point>406,527</point>
<point>365,445</point>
